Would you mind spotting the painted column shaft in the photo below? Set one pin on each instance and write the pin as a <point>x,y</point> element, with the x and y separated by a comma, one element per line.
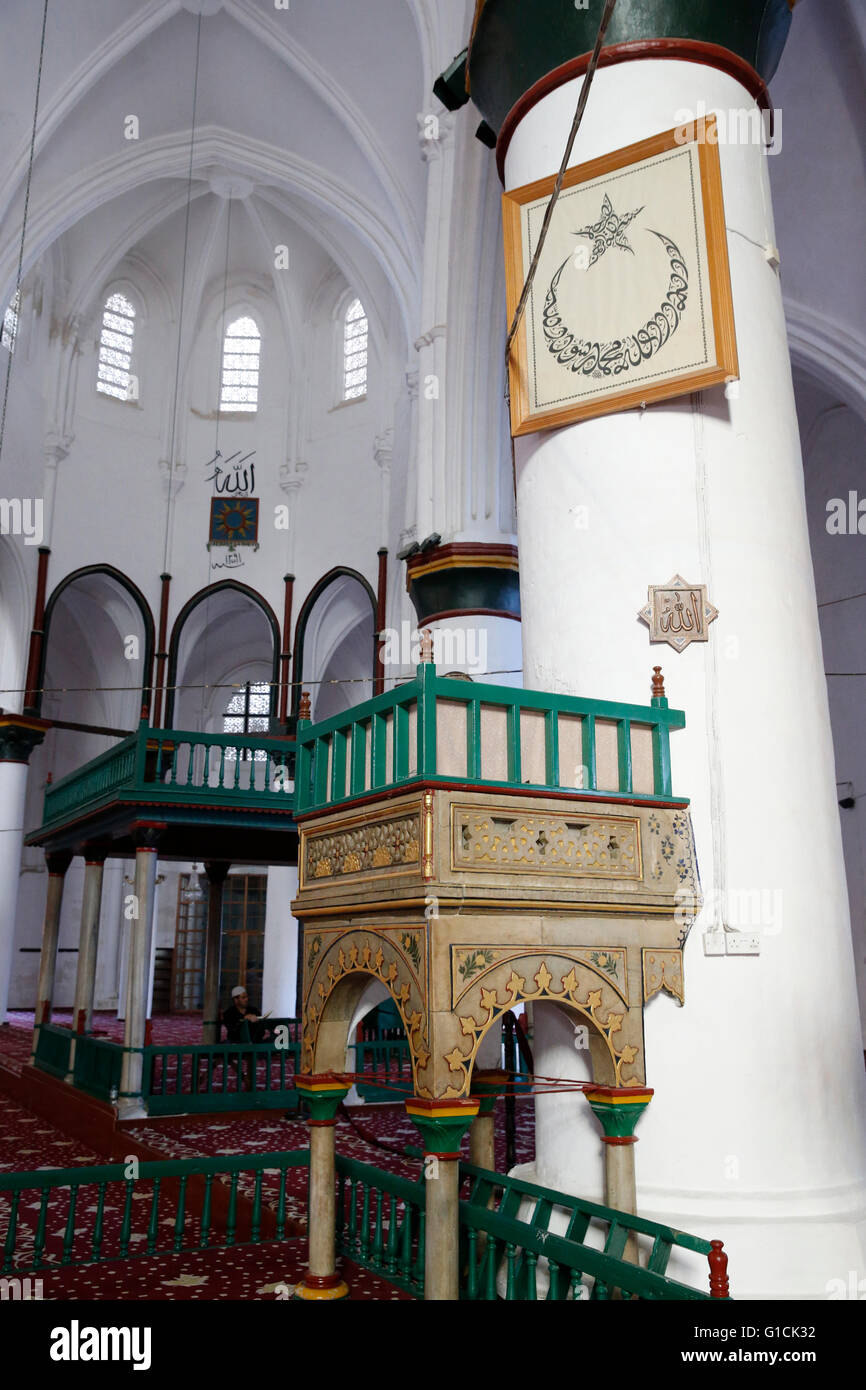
<point>712,488</point>
<point>48,955</point>
<point>137,977</point>
<point>88,945</point>
<point>482,1142</point>
<point>441,1251</point>
<point>213,952</point>
<point>13,789</point>
<point>322,1253</point>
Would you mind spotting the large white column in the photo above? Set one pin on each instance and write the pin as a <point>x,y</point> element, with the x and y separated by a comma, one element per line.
<point>757,1133</point>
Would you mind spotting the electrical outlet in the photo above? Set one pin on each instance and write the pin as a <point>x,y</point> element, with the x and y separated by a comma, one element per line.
<point>714,943</point>
<point>740,943</point>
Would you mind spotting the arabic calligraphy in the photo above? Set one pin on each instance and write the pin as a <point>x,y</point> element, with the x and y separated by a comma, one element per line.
<point>676,617</point>
<point>232,476</point>
<point>596,359</point>
<point>678,613</point>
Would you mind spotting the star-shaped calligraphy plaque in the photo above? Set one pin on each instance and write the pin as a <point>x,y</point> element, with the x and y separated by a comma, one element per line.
<point>608,231</point>
<point>678,613</point>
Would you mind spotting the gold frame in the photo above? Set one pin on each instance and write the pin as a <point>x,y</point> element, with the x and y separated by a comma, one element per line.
<point>726,368</point>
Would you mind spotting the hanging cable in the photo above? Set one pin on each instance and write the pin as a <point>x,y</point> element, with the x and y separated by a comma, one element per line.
<point>557,187</point>
<point>27,184</point>
<point>548,215</point>
<point>173,422</point>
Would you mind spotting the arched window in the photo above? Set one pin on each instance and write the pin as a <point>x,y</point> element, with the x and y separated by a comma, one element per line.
<point>113,374</point>
<point>355,339</point>
<point>248,712</point>
<point>239,384</point>
<point>10,323</point>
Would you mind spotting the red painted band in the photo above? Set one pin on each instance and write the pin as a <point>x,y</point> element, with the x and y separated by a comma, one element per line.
<point>322,1281</point>
<point>468,613</point>
<point>619,1139</point>
<point>711,55</point>
<point>388,794</point>
<point>443,1158</point>
<point>322,1124</point>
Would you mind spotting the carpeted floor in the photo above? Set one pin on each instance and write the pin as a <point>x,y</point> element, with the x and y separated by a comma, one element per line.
<point>28,1143</point>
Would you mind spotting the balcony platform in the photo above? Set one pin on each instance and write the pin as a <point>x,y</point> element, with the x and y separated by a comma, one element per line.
<point>217,796</point>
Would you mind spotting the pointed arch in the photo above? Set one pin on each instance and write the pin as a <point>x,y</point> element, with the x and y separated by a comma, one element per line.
<point>210,591</point>
<point>138,599</point>
<point>333,576</point>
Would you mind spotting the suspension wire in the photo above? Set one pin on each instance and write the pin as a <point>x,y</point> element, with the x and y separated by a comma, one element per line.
<point>557,187</point>
<point>219,411</point>
<point>173,425</point>
<point>26,211</point>
<point>548,216</point>
<point>226,685</point>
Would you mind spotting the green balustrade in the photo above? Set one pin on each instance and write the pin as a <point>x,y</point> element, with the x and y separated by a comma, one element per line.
<point>457,737</point>
<point>380,1223</point>
<point>97,1067</point>
<point>90,1200</point>
<point>506,1232</point>
<point>53,1046</point>
<point>388,1062</point>
<point>173,766</point>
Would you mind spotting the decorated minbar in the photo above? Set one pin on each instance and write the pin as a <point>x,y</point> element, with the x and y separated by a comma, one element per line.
<point>474,847</point>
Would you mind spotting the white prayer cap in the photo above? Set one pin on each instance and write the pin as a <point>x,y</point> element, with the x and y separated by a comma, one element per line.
<point>238,989</point>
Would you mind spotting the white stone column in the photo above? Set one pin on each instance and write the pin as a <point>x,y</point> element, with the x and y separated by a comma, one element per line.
<point>57,865</point>
<point>88,943</point>
<point>757,1133</point>
<point>137,981</point>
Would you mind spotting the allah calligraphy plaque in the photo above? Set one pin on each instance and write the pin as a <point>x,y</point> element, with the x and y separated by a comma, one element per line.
<point>678,613</point>
<point>631,301</point>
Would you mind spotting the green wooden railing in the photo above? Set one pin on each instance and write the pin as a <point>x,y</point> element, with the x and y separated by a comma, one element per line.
<point>507,1249</point>
<point>53,1045</point>
<point>190,1079</point>
<point>388,1062</point>
<point>97,1066</point>
<point>173,766</point>
<point>380,1223</point>
<point>505,1233</point>
<point>90,1215</point>
<point>436,729</point>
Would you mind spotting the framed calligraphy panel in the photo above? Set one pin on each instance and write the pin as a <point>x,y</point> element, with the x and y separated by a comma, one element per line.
<point>631,301</point>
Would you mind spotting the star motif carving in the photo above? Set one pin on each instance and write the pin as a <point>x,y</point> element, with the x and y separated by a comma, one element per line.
<point>608,231</point>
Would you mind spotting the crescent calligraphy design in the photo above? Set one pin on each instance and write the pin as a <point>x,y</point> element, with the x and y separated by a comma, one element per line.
<point>619,355</point>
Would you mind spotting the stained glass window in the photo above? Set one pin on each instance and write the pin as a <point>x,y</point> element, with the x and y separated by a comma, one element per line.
<point>355,340</point>
<point>239,385</point>
<point>113,375</point>
<point>9,332</point>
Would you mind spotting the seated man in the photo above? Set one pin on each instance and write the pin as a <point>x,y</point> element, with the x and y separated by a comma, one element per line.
<point>239,1013</point>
